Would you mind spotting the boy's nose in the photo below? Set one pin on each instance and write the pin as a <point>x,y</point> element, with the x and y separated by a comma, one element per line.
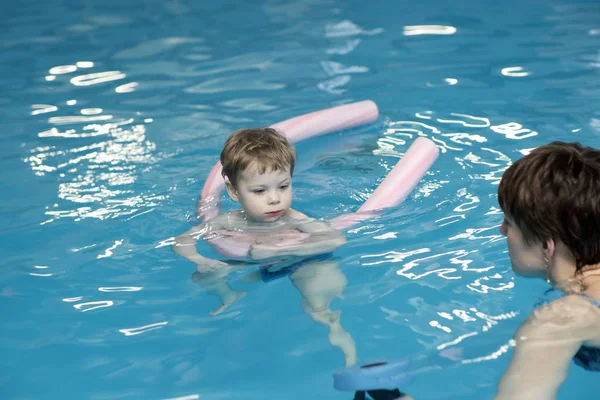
<point>273,198</point>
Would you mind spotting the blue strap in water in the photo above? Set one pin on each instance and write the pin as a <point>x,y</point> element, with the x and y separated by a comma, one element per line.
<point>382,374</point>
<point>594,302</point>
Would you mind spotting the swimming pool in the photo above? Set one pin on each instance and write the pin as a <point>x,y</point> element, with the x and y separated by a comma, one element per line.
<point>114,112</point>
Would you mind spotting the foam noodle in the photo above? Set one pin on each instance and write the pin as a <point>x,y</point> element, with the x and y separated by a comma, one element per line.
<point>398,184</point>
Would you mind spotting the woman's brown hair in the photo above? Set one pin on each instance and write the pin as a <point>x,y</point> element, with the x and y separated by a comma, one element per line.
<point>554,192</point>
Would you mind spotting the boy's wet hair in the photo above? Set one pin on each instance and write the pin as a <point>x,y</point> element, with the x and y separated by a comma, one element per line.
<point>265,147</point>
<point>554,192</point>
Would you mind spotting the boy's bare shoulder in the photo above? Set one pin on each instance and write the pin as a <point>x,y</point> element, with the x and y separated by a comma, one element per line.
<point>297,215</point>
<point>228,221</point>
<point>304,223</point>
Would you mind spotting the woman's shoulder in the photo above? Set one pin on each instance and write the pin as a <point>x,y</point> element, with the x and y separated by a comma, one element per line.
<point>571,313</point>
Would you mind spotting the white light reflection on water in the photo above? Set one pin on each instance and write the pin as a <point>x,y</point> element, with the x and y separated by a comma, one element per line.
<point>392,256</point>
<point>436,324</point>
<point>107,166</point>
<point>474,234</point>
<point>496,354</point>
<point>109,252</point>
<point>93,305</point>
<point>62,69</point>
<point>514,72</point>
<point>413,30</point>
<point>98,77</point>
<point>97,176</point>
<point>84,64</point>
<point>91,111</point>
<point>514,130</point>
<point>120,289</point>
<point>72,299</point>
<point>40,274</point>
<point>484,288</point>
<point>447,82</point>
<point>483,122</point>
<point>189,397</point>
<point>444,272</point>
<point>78,119</point>
<point>143,329</point>
<point>42,109</point>
<point>127,88</point>
<point>456,341</point>
<point>457,258</point>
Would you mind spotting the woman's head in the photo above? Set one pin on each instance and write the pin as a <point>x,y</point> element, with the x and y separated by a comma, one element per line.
<point>554,193</point>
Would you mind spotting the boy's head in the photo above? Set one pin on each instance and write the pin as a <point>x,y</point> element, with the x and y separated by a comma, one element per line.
<point>258,164</point>
<point>554,193</point>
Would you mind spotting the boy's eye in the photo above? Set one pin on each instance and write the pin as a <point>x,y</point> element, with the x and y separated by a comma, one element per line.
<point>283,187</point>
<point>258,191</point>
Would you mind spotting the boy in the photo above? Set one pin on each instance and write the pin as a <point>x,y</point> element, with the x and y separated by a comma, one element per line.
<point>258,165</point>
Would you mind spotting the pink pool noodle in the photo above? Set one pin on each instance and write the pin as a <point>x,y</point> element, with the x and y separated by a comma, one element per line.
<point>397,185</point>
<point>295,129</point>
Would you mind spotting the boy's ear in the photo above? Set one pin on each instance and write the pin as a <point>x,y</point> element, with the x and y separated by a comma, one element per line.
<point>231,190</point>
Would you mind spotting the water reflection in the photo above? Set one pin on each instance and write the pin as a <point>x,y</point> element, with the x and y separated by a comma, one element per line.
<point>143,329</point>
<point>62,69</point>
<point>97,176</point>
<point>348,28</point>
<point>42,109</point>
<point>98,77</point>
<point>93,305</point>
<point>413,30</point>
<point>514,72</point>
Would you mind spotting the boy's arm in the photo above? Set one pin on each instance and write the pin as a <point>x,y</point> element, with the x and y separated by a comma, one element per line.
<point>185,246</point>
<point>323,239</point>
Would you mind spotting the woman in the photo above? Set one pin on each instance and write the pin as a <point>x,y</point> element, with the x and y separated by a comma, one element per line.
<point>551,202</point>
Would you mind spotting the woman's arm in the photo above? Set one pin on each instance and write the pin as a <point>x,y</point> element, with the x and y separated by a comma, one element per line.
<point>545,346</point>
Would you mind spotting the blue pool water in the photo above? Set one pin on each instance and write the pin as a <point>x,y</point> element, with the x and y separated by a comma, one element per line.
<point>113,112</point>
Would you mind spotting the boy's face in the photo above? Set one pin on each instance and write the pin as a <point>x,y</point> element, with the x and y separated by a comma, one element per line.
<point>264,197</point>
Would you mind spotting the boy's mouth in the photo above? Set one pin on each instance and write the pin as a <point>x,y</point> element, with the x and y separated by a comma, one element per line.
<point>274,213</point>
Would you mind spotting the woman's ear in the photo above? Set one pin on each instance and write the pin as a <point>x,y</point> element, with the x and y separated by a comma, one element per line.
<point>231,190</point>
<point>549,248</point>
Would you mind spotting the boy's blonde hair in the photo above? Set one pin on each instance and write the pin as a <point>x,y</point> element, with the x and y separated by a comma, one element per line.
<point>266,147</point>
